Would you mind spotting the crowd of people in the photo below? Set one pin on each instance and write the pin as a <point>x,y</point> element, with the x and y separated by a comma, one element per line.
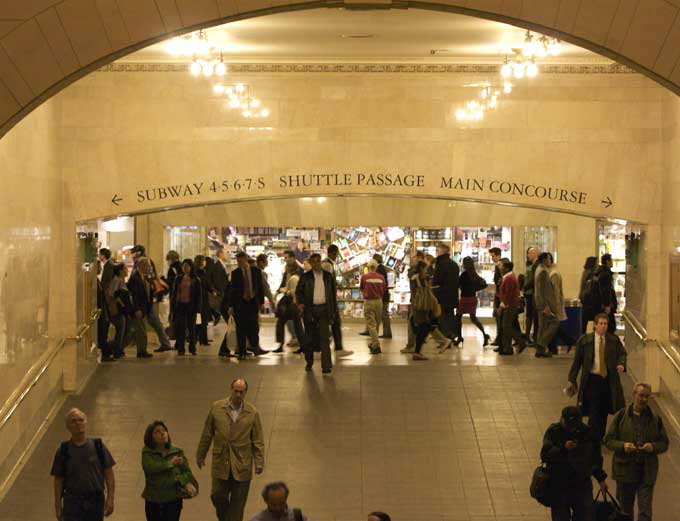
<point>205,289</point>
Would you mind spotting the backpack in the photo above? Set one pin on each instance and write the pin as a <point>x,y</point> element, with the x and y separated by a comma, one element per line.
<point>591,291</point>
<point>98,447</point>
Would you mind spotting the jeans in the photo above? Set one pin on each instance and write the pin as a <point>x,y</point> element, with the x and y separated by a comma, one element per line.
<point>573,503</point>
<point>626,492</point>
<point>421,331</point>
<point>82,508</point>
<point>229,498</point>
<point>169,511</point>
<point>184,319</point>
<point>155,322</point>
<point>373,309</point>
<point>119,323</point>
<point>317,333</point>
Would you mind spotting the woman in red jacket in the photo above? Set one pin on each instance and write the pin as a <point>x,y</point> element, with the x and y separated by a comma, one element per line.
<point>510,302</point>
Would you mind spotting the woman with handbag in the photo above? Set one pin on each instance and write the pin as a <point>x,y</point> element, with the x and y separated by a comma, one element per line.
<point>119,305</point>
<point>470,283</point>
<point>423,307</point>
<point>205,311</point>
<point>287,310</point>
<point>186,303</point>
<point>169,479</point>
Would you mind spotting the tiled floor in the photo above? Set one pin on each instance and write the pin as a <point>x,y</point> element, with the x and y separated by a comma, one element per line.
<point>455,438</point>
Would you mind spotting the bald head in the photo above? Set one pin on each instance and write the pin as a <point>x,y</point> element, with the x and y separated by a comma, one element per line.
<point>76,421</point>
<point>239,388</point>
<point>532,254</point>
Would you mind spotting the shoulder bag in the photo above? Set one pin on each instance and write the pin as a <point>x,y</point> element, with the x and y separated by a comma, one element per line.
<point>540,488</point>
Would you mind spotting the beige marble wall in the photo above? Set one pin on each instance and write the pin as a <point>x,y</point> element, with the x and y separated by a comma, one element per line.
<point>593,133</point>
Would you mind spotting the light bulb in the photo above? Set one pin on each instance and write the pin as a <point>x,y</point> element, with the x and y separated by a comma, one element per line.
<point>479,115</point>
<point>264,113</point>
<point>207,69</point>
<point>174,47</point>
<point>472,104</point>
<point>484,93</point>
<point>461,115</point>
<point>507,87</point>
<point>554,47</point>
<point>255,103</point>
<point>240,87</point>
<point>220,68</point>
<point>195,68</point>
<point>493,102</point>
<point>246,113</point>
<point>234,103</point>
<point>218,89</point>
<point>532,70</point>
<point>518,71</point>
<point>506,70</point>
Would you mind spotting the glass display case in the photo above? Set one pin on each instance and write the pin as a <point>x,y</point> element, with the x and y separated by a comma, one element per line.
<point>542,237</point>
<point>188,241</point>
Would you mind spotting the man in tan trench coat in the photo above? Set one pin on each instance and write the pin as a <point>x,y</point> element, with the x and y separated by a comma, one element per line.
<point>233,427</point>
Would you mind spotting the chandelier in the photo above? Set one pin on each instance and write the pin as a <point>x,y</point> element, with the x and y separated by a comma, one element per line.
<point>206,58</point>
<point>488,99</point>
<point>239,97</point>
<point>521,61</point>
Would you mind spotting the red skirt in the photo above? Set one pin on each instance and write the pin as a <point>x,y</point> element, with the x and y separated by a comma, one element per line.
<point>468,305</point>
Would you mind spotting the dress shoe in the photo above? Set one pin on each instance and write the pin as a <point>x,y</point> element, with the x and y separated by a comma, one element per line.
<point>292,343</point>
<point>343,353</point>
<point>419,357</point>
<point>364,333</point>
<point>521,348</point>
<point>162,349</point>
<point>144,355</point>
<point>506,352</point>
<point>308,367</point>
<point>259,351</point>
<point>298,351</point>
<point>487,339</point>
<point>445,346</point>
<point>108,359</point>
<point>543,354</point>
<point>408,349</point>
<point>241,357</point>
<point>326,371</point>
<point>375,350</point>
<point>181,353</point>
<point>496,342</point>
<point>278,349</point>
<point>193,353</point>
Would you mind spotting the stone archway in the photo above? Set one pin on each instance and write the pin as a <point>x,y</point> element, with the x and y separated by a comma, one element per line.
<point>48,44</point>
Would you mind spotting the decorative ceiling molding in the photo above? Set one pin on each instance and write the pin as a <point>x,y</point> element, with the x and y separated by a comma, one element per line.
<point>399,68</point>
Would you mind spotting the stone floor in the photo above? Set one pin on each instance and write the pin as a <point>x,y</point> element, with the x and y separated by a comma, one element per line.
<point>454,438</point>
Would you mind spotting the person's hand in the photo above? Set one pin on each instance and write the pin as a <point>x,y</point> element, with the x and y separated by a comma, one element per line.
<point>620,368</point>
<point>570,445</point>
<point>177,460</point>
<point>629,447</point>
<point>108,506</point>
<point>200,462</point>
<point>138,314</point>
<point>647,447</point>
<point>258,470</point>
<point>546,311</point>
<point>603,486</point>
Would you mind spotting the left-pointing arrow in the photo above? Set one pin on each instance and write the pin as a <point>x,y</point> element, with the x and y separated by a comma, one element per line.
<point>116,200</point>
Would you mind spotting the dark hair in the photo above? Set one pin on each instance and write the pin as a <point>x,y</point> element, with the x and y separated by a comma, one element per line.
<point>599,316</point>
<point>469,265</point>
<point>495,251</point>
<point>444,247</point>
<point>236,380</point>
<point>420,254</point>
<point>105,252</point>
<point>289,253</point>
<point>276,485</point>
<point>420,265</point>
<point>148,434</point>
<point>191,265</point>
<point>172,256</point>
<point>377,257</point>
<point>314,256</point>
<point>332,248</point>
<point>544,255</point>
<point>118,269</point>
<point>571,412</point>
<point>380,515</point>
<point>605,258</point>
<point>262,257</point>
<point>198,261</point>
<point>507,264</point>
<point>591,262</point>
<point>241,254</point>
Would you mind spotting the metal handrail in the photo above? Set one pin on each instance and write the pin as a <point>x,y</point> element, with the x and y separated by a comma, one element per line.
<point>636,326</point>
<point>46,364</point>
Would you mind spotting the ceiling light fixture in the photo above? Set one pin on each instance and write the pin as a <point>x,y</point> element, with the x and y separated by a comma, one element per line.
<point>521,60</point>
<point>206,58</point>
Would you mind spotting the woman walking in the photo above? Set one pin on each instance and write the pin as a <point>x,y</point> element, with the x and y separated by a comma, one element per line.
<point>168,477</point>
<point>470,283</point>
<point>584,295</point>
<point>422,302</point>
<point>205,312</point>
<point>187,303</point>
<point>119,304</point>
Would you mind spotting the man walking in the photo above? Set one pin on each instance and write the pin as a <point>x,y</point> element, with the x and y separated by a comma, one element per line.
<point>142,303</point>
<point>234,426</point>
<point>600,357</point>
<point>373,287</point>
<point>531,316</point>
<point>386,322</point>
<point>546,306</point>
<point>316,298</point>
<point>607,294</point>
<point>509,296</point>
<point>84,483</point>
<point>246,300</point>
<point>219,282</point>
<point>275,495</point>
<point>572,453</point>
<point>636,435</point>
<point>106,269</point>
<point>495,254</point>
<point>411,337</point>
<point>445,289</point>
<point>329,265</point>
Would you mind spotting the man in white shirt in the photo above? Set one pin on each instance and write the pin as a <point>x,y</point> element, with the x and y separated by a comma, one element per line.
<point>600,357</point>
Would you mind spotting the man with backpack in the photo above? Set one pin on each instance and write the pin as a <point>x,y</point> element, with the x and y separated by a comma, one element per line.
<point>275,495</point>
<point>84,484</point>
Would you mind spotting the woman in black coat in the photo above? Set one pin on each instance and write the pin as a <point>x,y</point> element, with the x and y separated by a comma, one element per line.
<point>187,301</point>
<point>205,312</point>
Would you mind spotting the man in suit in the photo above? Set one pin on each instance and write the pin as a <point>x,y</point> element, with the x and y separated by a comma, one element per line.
<point>329,264</point>
<point>218,279</point>
<point>547,304</point>
<point>607,293</point>
<point>600,357</point>
<point>234,426</point>
<point>317,300</point>
<point>142,303</point>
<point>106,266</point>
<point>445,289</point>
<point>246,300</point>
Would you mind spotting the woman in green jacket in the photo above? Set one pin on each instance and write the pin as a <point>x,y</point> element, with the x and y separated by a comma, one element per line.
<point>167,473</point>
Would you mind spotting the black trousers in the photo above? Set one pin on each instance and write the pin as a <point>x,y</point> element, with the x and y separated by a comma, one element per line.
<point>421,331</point>
<point>294,317</point>
<point>163,511</point>
<point>247,327</point>
<point>336,329</point>
<point>598,398</point>
<point>530,317</point>
<point>573,503</point>
<point>317,333</point>
<point>83,509</point>
<point>184,320</point>
<point>103,334</point>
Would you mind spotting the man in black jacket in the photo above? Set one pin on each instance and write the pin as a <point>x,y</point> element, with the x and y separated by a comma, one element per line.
<point>142,303</point>
<point>328,264</point>
<point>573,454</point>
<point>106,267</point>
<point>316,298</point>
<point>607,294</point>
<point>246,300</point>
<point>445,289</point>
<point>218,279</point>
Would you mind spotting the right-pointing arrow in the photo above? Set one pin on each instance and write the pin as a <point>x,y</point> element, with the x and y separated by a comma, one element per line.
<point>607,202</point>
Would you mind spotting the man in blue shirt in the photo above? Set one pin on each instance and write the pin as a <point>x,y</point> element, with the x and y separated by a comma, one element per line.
<point>276,496</point>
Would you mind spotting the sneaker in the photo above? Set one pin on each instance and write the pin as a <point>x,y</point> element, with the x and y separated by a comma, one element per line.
<point>408,349</point>
<point>293,343</point>
<point>419,357</point>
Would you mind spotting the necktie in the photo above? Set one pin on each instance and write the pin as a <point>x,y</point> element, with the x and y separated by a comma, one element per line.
<point>248,293</point>
<point>600,354</point>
